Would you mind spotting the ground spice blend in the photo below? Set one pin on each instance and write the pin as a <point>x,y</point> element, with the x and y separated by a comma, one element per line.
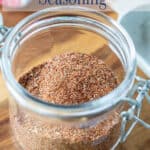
<point>67,79</point>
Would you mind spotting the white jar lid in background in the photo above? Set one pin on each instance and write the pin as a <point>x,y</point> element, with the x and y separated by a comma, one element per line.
<point>134,16</point>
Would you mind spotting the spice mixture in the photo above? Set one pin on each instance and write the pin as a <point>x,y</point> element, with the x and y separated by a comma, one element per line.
<point>70,78</point>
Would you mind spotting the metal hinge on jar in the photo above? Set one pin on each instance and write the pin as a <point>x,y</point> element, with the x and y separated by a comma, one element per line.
<point>141,89</point>
<point>4,32</point>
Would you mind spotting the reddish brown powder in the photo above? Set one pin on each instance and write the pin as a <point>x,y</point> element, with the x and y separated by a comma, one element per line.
<point>70,78</point>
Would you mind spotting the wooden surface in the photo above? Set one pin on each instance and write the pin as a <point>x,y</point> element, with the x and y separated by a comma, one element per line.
<point>138,140</point>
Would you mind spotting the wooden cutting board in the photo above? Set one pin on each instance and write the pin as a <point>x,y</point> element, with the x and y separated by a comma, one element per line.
<point>138,140</point>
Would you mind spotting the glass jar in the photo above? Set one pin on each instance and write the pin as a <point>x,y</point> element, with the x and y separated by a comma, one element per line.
<point>95,125</point>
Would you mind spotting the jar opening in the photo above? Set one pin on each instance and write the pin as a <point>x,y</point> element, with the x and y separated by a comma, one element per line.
<point>81,18</point>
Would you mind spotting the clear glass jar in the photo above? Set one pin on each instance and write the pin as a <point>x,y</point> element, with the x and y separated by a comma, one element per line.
<point>38,125</point>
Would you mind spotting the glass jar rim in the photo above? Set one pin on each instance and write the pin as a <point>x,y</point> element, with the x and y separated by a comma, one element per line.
<point>88,109</point>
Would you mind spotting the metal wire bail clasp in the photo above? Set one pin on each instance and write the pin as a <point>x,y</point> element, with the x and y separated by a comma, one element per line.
<point>4,31</point>
<point>141,89</point>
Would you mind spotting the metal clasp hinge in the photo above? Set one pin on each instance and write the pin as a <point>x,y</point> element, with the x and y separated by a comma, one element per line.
<point>4,31</point>
<point>141,89</point>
